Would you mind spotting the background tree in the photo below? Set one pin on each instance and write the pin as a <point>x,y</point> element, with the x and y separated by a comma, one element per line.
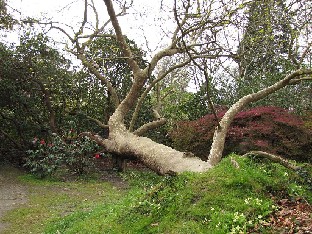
<point>269,47</point>
<point>46,96</point>
<point>6,19</point>
<point>30,81</point>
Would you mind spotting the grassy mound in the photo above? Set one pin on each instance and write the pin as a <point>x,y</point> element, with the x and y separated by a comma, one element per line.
<point>224,200</point>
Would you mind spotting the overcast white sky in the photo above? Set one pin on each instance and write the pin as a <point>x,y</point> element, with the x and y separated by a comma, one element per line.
<point>144,13</point>
<point>145,21</point>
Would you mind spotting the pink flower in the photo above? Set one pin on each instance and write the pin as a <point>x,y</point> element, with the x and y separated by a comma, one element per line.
<point>97,156</point>
<point>35,140</point>
<point>50,145</point>
<point>42,142</point>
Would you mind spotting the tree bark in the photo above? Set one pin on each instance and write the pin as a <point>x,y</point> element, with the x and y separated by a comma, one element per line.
<point>274,158</point>
<point>158,157</point>
<point>217,146</point>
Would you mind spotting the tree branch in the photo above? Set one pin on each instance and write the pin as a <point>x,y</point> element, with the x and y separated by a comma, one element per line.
<point>121,39</point>
<point>98,122</point>
<point>149,126</point>
<point>85,19</point>
<point>203,69</point>
<point>217,146</point>
<point>274,158</point>
<point>149,88</point>
<point>161,54</point>
<point>305,52</point>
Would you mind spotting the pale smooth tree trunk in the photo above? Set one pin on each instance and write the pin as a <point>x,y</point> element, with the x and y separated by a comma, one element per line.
<point>160,158</point>
<point>220,133</point>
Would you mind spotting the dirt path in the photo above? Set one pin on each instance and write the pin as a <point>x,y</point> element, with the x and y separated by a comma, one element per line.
<point>12,193</point>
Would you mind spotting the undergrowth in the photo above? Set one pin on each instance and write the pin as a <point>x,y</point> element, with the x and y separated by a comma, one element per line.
<point>222,200</point>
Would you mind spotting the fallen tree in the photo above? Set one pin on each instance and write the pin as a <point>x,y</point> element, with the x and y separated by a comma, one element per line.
<point>186,40</point>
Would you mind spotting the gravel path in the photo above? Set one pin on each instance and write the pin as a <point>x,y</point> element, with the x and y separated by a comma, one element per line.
<point>12,193</point>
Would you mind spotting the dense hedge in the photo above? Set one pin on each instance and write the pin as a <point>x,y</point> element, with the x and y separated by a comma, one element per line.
<point>270,129</point>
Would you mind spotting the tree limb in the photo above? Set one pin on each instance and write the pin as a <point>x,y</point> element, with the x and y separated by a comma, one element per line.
<point>98,122</point>
<point>161,54</point>
<point>203,69</point>
<point>121,39</point>
<point>274,158</point>
<point>304,54</point>
<point>148,126</point>
<point>217,146</point>
<point>149,88</point>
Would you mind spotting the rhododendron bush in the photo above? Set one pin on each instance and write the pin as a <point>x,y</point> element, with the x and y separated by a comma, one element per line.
<point>74,155</point>
<point>271,129</point>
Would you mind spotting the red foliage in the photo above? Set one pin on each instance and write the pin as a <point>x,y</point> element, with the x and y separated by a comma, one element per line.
<point>270,129</point>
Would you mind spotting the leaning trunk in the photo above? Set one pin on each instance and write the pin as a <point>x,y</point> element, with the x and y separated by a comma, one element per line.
<point>158,157</point>
<point>217,146</point>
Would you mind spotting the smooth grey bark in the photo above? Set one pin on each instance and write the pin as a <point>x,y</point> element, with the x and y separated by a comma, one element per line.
<point>217,146</point>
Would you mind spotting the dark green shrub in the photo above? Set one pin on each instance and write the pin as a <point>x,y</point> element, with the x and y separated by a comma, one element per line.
<point>46,158</point>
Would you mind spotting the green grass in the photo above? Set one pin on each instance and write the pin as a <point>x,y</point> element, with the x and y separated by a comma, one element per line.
<point>222,200</point>
<point>51,200</point>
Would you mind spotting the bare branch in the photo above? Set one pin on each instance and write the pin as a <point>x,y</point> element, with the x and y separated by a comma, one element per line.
<point>305,52</point>
<point>274,158</point>
<point>96,15</point>
<point>63,31</point>
<point>161,54</point>
<point>52,26</point>
<point>121,39</point>
<point>210,103</point>
<point>149,88</point>
<point>98,122</point>
<point>297,81</point>
<point>149,126</point>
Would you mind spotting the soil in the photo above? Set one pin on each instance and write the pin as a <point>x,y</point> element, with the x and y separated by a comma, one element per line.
<point>12,192</point>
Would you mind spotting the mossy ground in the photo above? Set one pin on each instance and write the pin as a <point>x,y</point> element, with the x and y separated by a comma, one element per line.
<point>225,199</point>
